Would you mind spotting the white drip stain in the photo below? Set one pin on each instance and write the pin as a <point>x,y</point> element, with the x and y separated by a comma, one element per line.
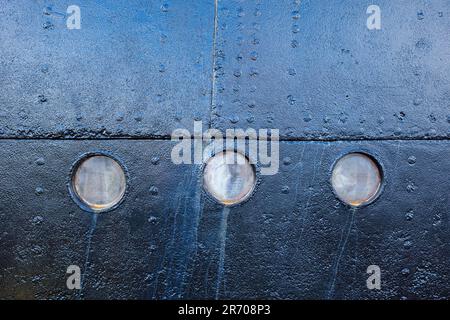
<point>180,253</point>
<point>310,194</point>
<point>342,245</point>
<point>88,251</point>
<point>198,210</point>
<point>222,239</point>
<point>164,259</point>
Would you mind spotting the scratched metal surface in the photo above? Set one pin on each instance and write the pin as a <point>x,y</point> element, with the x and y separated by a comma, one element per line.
<point>302,243</point>
<point>137,70</point>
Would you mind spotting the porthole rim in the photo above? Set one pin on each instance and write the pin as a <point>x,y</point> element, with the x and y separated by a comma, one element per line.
<point>74,195</point>
<point>248,196</point>
<point>376,160</point>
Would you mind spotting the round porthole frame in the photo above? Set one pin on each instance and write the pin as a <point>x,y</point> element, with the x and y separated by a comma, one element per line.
<point>256,170</point>
<point>378,163</point>
<point>74,195</point>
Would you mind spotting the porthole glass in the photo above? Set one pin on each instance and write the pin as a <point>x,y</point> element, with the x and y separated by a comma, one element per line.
<point>99,182</point>
<point>356,179</point>
<point>229,180</point>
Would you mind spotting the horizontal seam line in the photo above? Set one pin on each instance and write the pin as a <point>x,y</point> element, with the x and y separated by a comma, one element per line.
<point>296,139</point>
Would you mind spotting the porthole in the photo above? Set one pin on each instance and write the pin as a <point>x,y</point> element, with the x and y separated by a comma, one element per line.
<point>356,179</point>
<point>229,177</point>
<point>98,183</point>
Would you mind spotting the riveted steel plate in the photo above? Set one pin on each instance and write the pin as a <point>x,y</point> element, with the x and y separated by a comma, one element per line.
<point>292,238</point>
<point>313,69</point>
<point>135,68</point>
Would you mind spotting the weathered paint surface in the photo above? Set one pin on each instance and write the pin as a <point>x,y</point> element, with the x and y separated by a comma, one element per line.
<point>134,68</point>
<point>313,70</point>
<point>137,70</point>
<point>292,239</point>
